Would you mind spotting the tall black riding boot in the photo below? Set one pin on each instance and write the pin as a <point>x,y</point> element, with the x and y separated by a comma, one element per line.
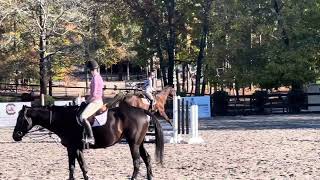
<point>151,105</point>
<point>88,129</point>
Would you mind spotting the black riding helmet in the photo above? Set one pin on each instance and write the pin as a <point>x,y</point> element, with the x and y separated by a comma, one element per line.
<point>92,64</point>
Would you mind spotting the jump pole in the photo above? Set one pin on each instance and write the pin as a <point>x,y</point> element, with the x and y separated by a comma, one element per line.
<point>176,138</point>
<point>194,118</point>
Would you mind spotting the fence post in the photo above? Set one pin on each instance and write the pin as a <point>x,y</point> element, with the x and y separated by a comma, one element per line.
<point>195,139</point>
<point>182,116</point>
<point>187,117</point>
<point>179,114</point>
<point>42,99</point>
<point>175,138</point>
<point>78,100</point>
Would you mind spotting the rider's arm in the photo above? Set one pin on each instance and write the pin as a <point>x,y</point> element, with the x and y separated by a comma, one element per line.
<point>152,87</point>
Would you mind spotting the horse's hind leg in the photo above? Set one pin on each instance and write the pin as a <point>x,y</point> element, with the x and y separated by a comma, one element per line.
<point>146,159</point>
<point>82,164</point>
<point>134,149</point>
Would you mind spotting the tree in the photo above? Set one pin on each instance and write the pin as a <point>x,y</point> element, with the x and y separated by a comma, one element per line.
<point>267,43</point>
<point>203,42</point>
<point>159,18</point>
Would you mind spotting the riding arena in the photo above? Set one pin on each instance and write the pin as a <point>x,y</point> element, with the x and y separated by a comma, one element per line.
<point>231,147</point>
<point>159,90</point>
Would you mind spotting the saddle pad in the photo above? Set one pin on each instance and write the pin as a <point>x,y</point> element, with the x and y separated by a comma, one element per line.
<point>145,101</point>
<point>101,119</point>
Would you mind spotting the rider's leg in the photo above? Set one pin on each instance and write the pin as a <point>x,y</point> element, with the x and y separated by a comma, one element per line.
<point>89,111</point>
<point>88,130</point>
<point>150,97</point>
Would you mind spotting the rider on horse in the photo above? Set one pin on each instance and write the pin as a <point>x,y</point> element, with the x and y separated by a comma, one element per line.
<point>148,90</point>
<point>95,100</point>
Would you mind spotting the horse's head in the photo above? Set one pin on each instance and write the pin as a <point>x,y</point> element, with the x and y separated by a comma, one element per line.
<point>172,91</point>
<point>23,125</point>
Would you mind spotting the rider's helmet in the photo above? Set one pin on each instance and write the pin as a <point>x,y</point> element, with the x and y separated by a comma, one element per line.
<point>92,64</point>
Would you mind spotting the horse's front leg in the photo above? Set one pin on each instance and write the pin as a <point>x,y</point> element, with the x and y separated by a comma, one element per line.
<point>82,164</point>
<point>163,114</point>
<point>72,161</point>
<point>134,149</point>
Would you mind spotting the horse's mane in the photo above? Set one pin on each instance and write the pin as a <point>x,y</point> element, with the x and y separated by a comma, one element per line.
<point>165,90</point>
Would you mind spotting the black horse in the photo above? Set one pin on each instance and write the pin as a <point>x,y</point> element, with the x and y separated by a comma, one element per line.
<point>124,121</point>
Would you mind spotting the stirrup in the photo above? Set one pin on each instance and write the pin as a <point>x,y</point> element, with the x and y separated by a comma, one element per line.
<point>152,108</point>
<point>88,141</point>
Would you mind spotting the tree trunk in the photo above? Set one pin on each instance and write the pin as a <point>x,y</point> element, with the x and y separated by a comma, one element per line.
<point>42,47</point>
<point>151,65</point>
<point>50,85</point>
<point>50,74</point>
<point>178,83</point>
<point>205,30</point>
<point>171,41</point>
<point>15,32</point>
<point>203,88</point>
<point>204,83</point>
<point>277,8</point>
<point>192,85</point>
<point>86,49</point>
<point>237,90</point>
<point>120,73</point>
<point>188,78</point>
<point>162,63</point>
<point>15,50</point>
<point>183,78</point>
<point>128,70</point>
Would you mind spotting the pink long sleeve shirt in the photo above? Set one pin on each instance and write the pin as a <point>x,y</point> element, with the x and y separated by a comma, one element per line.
<point>96,88</point>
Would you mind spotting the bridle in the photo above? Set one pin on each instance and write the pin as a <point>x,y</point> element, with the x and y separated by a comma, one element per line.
<point>171,93</point>
<point>28,119</point>
<point>25,119</point>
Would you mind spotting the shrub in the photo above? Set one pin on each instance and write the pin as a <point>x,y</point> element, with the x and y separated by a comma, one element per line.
<point>48,100</point>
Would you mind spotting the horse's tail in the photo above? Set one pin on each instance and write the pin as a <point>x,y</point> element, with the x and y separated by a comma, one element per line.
<point>159,136</point>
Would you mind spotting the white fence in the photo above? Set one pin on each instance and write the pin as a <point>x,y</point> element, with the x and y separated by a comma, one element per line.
<point>9,112</point>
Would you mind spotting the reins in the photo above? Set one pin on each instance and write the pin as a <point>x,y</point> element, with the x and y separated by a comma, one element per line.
<point>33,135</point>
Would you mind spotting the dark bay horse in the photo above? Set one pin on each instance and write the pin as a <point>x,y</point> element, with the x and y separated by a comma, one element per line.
<point>124,121</point>
<point>161,99</point>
